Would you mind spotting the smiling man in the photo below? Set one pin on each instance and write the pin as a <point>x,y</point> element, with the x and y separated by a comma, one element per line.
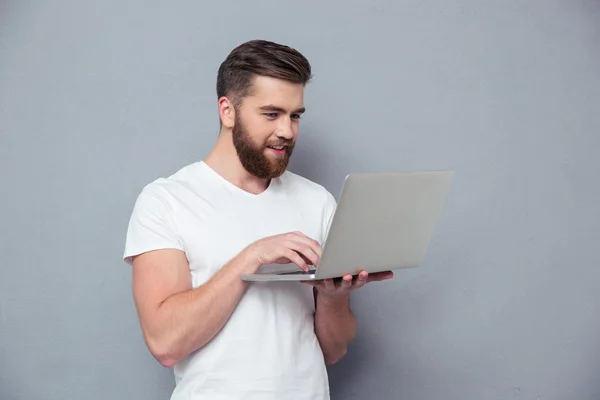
<point>192,236</point>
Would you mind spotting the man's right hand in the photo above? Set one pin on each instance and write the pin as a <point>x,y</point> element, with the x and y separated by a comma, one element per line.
<point>292,247</point>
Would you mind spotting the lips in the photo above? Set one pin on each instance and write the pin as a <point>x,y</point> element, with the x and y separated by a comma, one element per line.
<point>278,151</point>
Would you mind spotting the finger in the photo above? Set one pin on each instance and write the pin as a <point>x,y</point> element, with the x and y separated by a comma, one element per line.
<point>312,259</point>
<point>328,284</point>
<point>313,244</point>
<point>296,259</point>
<point>346,282</point>
<point>362,279</point>
<point>380,276</point>
<point>304,251</point>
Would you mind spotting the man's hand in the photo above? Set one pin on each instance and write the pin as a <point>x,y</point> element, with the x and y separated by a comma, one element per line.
<point>340,287</point>
<point>294,247</point>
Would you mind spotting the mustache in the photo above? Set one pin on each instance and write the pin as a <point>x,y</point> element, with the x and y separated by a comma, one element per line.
<point>287,143</point>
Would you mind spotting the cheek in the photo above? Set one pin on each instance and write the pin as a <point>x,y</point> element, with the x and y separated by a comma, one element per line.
<point>263,131</point>
<point>259,130</point>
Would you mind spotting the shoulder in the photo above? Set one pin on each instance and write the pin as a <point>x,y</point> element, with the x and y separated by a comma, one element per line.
<point>153,221</point>
<point>166,189</point>
<point>162,198</point>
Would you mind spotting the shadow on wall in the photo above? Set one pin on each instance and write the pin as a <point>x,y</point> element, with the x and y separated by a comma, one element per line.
<point>316,156</point>
<point>311,158</point>
<point>370,348</point>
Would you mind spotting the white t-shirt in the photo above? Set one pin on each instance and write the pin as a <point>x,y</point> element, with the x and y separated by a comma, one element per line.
<point>268,348</point>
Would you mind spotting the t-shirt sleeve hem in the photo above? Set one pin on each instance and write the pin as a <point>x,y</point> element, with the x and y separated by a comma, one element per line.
<point>130,254</point>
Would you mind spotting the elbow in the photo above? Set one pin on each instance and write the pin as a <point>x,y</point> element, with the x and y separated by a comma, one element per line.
<point>166,361</point>
<point>163,352</point>
<point>331,359</point>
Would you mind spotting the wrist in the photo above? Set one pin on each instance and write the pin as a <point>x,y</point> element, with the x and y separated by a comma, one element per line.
<point>245,263</point>
<point>333,302</point>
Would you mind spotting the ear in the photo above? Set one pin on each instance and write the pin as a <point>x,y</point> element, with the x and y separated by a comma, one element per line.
<point>226,112</point>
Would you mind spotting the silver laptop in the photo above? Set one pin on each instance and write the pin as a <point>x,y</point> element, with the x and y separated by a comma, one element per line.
<point>383,221</point>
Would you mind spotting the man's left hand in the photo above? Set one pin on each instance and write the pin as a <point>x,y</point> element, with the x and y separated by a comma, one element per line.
<point>348,283</point>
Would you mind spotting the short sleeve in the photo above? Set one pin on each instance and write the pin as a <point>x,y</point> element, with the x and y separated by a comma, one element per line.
<point>151,226</point>
<point>328,212</point>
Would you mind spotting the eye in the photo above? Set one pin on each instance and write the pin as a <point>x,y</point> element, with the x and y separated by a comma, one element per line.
<point>271,115</point>
<point>296,116</point>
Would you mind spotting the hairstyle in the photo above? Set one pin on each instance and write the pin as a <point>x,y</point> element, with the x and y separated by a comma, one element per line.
<point>262,58</point>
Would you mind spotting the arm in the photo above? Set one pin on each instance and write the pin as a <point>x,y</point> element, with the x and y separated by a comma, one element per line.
<point>335,325</point>
<point>176,319</point>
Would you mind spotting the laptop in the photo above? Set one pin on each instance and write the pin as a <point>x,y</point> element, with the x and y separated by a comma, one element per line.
<point>382,222</point>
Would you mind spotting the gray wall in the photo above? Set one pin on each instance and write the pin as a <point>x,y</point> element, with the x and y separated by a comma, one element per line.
<point>99,98</point>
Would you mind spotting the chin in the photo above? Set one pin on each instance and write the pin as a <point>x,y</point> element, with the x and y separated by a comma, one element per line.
<point>278,172</point>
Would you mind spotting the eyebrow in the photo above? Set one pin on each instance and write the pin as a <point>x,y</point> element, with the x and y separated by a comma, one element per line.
<point>271,107</point>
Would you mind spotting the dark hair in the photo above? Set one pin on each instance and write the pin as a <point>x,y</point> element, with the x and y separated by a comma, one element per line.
<point>262,58</point>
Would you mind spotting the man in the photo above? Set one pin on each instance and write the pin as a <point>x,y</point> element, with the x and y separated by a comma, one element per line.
<point>194,234</point>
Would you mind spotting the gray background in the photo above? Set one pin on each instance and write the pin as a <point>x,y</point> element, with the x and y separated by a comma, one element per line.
<point>99,98</point>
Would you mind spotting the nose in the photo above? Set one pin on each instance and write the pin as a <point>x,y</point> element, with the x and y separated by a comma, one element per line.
<point>285,130</point>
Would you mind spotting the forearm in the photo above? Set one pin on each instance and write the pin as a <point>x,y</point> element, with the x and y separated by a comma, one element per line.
<point>335,326</point>
<point>188,320</point>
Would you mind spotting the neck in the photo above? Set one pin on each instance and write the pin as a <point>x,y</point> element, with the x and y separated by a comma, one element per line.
<point>223,159</point>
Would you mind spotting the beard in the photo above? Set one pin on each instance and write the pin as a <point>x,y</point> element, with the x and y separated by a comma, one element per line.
<point>253,157</point>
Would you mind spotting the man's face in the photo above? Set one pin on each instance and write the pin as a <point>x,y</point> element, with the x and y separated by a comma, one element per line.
<point>266,126</point>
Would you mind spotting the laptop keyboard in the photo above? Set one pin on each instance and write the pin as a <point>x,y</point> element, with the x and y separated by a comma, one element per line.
<point>301,272</point>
